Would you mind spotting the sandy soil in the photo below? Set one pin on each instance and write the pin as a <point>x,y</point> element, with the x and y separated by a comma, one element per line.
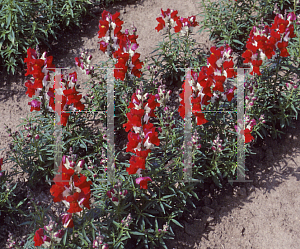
<point>263,214</point>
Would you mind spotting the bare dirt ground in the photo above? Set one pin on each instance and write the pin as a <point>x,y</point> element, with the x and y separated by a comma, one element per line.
<point>262,214</point>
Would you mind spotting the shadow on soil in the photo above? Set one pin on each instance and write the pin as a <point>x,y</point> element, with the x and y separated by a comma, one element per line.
<point>263,168</point>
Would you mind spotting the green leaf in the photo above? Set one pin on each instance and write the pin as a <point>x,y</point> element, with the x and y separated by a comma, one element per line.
<point>176,222</point>
<point>21,202</point>
<point>19,9</point>
<point>65,237</point>
<point>162,207</point>
<point>292,106</point>
<point>11,37</point>
<point>167,196</point>
<point>149,215</point>
<point>136,233</point>
<point>237,41</point>
<point>8,20</point>
<point>216,180</point>
<point>259,134</point>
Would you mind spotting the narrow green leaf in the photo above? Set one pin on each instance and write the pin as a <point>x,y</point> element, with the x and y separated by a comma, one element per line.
<point>8,20</point>
<point>176,222</point>
<point>136,233</point>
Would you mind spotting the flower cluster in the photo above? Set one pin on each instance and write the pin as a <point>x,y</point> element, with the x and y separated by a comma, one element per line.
<point>170,20</point>
<point>83,62</point>
<point>72,190</point>
<point>98,241</point>
<point>51,238</point>
<point>194,142</point>
<point>210,78</point>
<point>142,137</point>
<point>262,43</point>
<point>115,194</point>
<point>42,86</point>
<point>120,45</point>
<point>12,243</point>
<point>217,145</point>
<point>163,96</point>
<point>126,222</point>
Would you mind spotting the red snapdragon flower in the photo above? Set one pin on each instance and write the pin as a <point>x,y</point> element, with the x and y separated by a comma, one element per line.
<point>35,105</point>
<point>150,135</point>
<point>70,188</point>
<point>248,136</point>
<point>266,41</point>
<point>144,136</point>
<point>137,161</point>
<point>256,64</point>
<point>230,93</point>
<point>30,88</point>
<point>137,65</point>
<point>38,237</point>
<point>161,24</point>
<point>67,220</point>
<point>143,181</point>
<point>220,61</point>
<point>133,141</point>
<point>134,119</point>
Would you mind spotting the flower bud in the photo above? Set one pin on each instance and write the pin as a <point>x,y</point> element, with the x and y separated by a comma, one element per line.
<point>159,129</point>
<point>67,220</point>
<point>59,234</point>
<point>96,244</point>
<point>108,193</point>
<point>105,246</point>
<point>115,200</point>
<point>37,137</point>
